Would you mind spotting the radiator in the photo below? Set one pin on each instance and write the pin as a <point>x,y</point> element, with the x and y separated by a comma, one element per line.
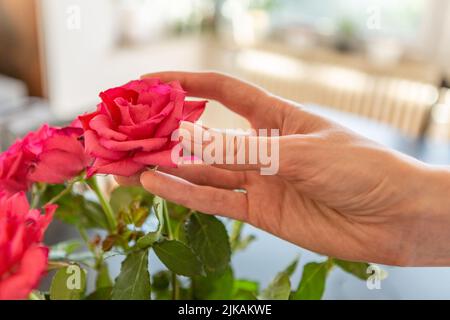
<point>403,104</point>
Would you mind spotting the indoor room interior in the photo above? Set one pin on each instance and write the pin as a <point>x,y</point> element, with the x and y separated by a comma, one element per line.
<point>380,67</point>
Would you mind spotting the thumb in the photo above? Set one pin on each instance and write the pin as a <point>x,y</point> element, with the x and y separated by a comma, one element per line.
<point>231,149</point>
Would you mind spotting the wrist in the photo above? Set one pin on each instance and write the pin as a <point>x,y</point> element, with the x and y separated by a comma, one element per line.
<point>435,185</point>
<point>431,223</point>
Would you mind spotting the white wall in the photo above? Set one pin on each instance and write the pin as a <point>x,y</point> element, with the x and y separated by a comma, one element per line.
<point>435,36</point>
<point>82,62</point>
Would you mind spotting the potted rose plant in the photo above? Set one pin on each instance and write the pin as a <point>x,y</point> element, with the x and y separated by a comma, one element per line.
<point>53,173</point>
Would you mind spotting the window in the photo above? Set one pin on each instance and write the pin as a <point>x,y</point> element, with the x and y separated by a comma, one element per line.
<point>398,18</point>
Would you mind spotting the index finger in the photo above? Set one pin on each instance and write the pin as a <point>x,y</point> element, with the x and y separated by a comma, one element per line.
<point>239,96</point>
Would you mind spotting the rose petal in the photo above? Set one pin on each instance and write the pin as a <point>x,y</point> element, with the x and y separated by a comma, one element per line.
<point>125,112</point>
<point>32,265</point>
<point>102,126</point>
<point>124,168</point>
<point>147,128</point>
<point>145,145</point>
<point>56,166</point>
<point>70,131</point>
<point>160,158</point>
<point>109,96</point>
<point>120,92</point>
<point>19,203</point>
<point>95,149</point>
<point>76,124</point>
<point>45,220</point>
<point>141,85</point>
<point>44,174</point>
<point>193,110</point>
<point>65,143</point>
<point>17,242</point>
<point>171,122</point>
<point>14,166</point>
<point>12,187</point>
<point>140,112</point>
<point>86,119</point>
<point>176,85</point>
<point>112,109</point>
<point>158,102</point>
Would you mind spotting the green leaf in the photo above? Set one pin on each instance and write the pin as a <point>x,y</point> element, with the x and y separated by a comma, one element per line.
<point>103,279</point>
<point>49,192</point>
<point>131,205</point>
<point>312,284</point>
<point>69,283</point>
<point>161,280</point>
<point>278,289</point>
<point>292,267</point>
<point>139,215</point>
<point>238,243</point>
<point>36,295</point>
<point>78,211</point>
<point>93,212</point>
<point>133,282</point>
<point>245,290</point>
<point>100,294</point>
<point>208,238</point>
<point>244,243</point>
<point>124,197</point>
<point>214,287</point>
<point>178,258</point>
<point>161,285</point>
<point>75,209</point>
<point>63,250</point>
<point>177,217</point>
<point>358,269</point>
<point>82,257</point>
<point>176,211</point>
<point>236,233</point>
<point>150,238</point>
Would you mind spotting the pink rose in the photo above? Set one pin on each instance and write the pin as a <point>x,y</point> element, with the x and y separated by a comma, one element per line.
<point>59,155</point>
<point>23,259</point>
<point>14,166</point>
<point>133,124</point>
<point>49,155</point>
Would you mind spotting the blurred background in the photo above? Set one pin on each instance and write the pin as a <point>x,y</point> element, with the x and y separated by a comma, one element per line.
<point>381,67</point>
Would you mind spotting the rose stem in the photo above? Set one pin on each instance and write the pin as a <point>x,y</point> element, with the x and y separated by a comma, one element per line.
<point>109,214</point>
<point>67,190</point>
<point>175,293</point>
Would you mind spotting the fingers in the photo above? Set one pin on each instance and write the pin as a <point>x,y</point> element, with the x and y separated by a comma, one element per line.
<point>208,176</point>
<point>196,173</point>
<point>228,150</point>
<point>241,97</point>
<point>205,199</point>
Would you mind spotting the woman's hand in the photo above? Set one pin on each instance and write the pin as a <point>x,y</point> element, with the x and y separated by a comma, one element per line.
<point>336,193</point>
